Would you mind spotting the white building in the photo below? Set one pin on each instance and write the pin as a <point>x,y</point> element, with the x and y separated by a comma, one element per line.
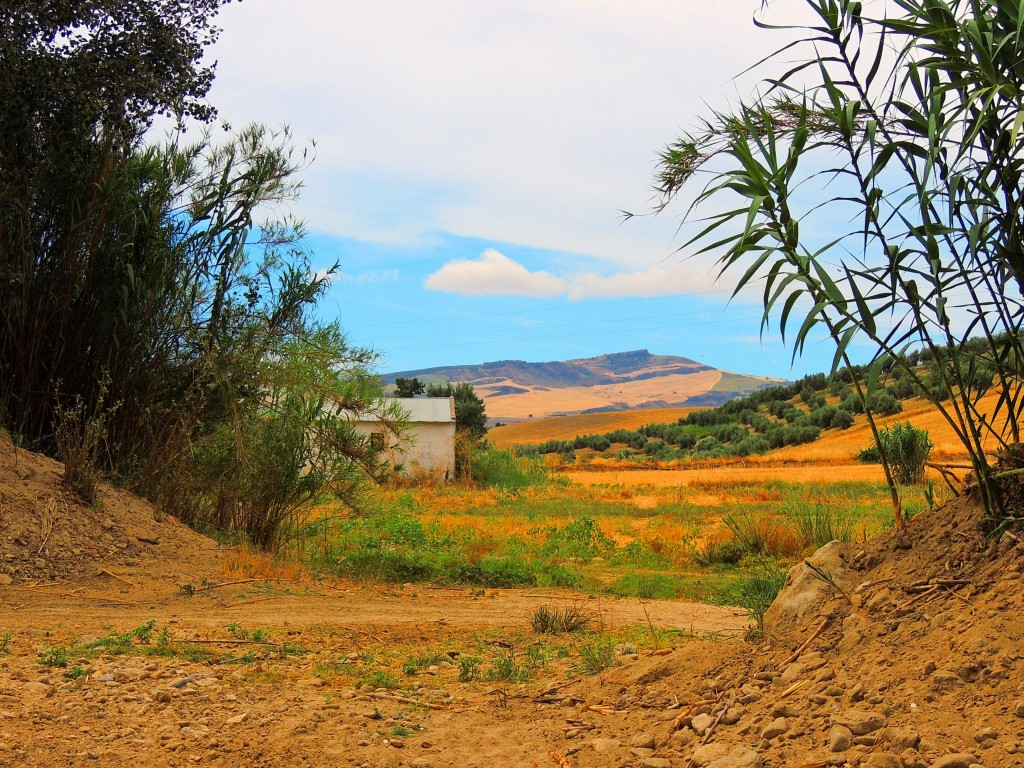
<point>429,446</point>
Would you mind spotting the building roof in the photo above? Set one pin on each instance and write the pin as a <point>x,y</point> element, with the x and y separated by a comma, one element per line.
<point>428,409</point>
<point>417,410</point>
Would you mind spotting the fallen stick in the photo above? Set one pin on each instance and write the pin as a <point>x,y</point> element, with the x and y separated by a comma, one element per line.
<point>932,590</point>
<point>868,584</point>
<point>230,583</point>
<point>361,632</point>
<point>814,636</point>
<point>129,582</point>
<point>402,700</point>
<point>793,688</point>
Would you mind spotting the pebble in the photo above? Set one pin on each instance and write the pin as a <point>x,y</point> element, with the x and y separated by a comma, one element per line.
<point>706,754</point>
<point>1018,709</point>
<point>700,723</point>
<point>840,738</point>
<point>421,762</point>
<point>740,757</point>
<point>986,734</point>
<point>644,740</point>
<point>956,760</point>
<point>943,680</point>
<point>883,760</point>
<point>656,762</point>
<point>605,745</point>
<point>860,722</point>
<point>775,728</point>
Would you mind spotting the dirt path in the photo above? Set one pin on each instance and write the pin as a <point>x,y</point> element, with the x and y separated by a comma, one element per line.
<point>279,604</point>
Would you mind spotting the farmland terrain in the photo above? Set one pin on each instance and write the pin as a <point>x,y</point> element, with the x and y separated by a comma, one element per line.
<point>515,389</point>
<point>126,637</point>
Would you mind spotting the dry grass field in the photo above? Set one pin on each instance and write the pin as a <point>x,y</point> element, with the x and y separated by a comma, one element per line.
<point>533,431</point>
<point>542,401</point>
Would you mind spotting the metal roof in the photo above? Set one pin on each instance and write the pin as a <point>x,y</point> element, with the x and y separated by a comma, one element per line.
<point>428,409</point>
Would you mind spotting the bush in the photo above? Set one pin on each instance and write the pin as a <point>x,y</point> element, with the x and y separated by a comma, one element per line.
<point>494,468</point>
<point>566,619</point>
<point>817,525</point>
<point>906,449</point>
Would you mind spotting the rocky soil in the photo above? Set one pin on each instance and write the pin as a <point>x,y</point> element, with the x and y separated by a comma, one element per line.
<point>904,651</point>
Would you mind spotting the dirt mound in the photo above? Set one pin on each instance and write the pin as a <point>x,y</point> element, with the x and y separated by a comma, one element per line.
<point>911,659</point>
<point>48,535</point>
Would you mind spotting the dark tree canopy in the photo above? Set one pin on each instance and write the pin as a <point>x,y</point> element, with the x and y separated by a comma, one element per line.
<point>408,387</point>
<point>469,408</point>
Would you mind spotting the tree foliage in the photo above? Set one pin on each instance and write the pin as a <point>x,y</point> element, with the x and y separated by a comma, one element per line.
<point>408,387</point>
<point>905,119</point>
<point>156,288</point>
<point>470,415</point>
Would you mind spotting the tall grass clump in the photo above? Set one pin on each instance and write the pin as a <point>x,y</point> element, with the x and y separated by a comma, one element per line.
<point>756,591</point>
<point>564,619</point>
<point>907,450</point>
<point>818,524</point>
<point>505,471</point>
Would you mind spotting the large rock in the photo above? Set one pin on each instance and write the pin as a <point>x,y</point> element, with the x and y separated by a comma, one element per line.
<point>804,593</point>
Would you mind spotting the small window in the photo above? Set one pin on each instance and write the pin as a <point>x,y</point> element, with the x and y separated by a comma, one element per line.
<point>377,440</point>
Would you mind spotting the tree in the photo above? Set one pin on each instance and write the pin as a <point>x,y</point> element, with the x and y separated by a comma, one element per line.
<point>470,416</point>
<point>155,289</point>
<point>408,387</point>
<point>912,120</point>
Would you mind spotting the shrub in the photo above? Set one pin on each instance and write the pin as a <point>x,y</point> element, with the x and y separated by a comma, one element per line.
<point>494,468</point>
<point>597,656</point>
<point>819,524</point>
<point>757,591</point>
<point>906,448</point>
<point>566,619</point>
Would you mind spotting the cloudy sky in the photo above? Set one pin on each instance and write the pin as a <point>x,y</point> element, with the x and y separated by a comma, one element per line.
<point>474,157</point>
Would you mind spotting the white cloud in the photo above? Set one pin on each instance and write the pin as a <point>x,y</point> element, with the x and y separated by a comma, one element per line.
<point>494,274</point>
<point>656,281</point>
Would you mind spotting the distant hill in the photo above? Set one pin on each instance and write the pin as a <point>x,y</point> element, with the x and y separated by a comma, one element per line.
<point>516,389</point>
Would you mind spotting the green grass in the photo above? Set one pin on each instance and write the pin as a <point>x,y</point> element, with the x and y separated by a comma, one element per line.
<point>510,541</point>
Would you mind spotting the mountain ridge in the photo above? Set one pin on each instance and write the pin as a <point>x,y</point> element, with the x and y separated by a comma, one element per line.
<point>517,389</point>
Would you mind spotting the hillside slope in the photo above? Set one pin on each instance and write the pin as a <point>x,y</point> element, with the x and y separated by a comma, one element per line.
<point>515,389</point>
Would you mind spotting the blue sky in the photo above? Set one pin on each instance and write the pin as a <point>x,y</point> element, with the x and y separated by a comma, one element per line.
<point>473,159</point>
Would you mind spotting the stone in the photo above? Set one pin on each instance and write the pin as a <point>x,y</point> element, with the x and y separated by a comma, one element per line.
<point>421,762</point>
<point>750,698</point>
<point>859,721</point>
<point>5,580</point>
<point>804,593</point>
<point>882,760</point>
<point>840,738</point>
<point>902,738</point>
<point>955,760</point>
<point>605,745</point>
<point>106,678</point>
<point>644,740</point>
<point>706,754</point>
<point>732,715</point>
<point>785,710</point>
<point>641,752</point>
<point>240,718</point>
<point>740,757</point>
<point>656,762</point>
<point>701,723</point>
<point>38,688</point>
<point>1018,709</point>
<point>986,734</point>
<point>775,728</point>
<point>942,680</point>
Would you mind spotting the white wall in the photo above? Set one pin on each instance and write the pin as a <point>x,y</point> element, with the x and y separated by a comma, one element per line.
<point>429,448</point>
